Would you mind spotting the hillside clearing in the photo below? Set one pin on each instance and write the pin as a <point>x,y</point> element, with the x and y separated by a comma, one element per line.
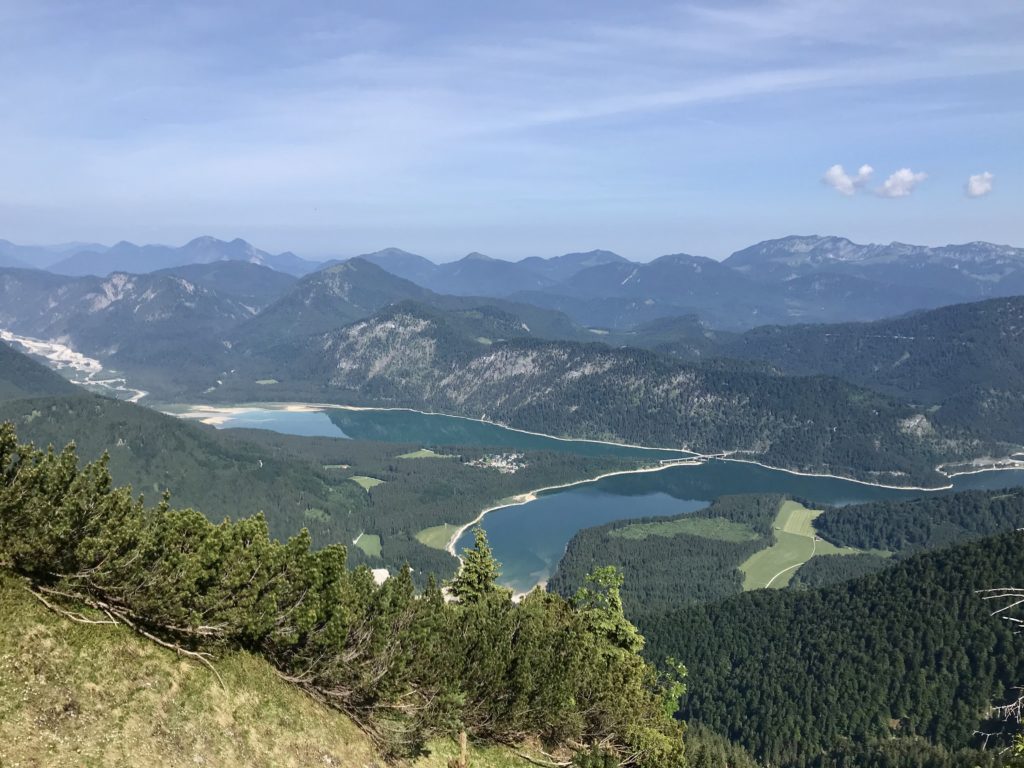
<point>717,528</point>
<point>796,542</point>
<point>365,482</point>
<point>422,453</point>
<point>369,543</point>
<point>437,536</point>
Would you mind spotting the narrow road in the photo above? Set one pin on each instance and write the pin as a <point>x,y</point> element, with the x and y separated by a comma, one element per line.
<point>814,546</point>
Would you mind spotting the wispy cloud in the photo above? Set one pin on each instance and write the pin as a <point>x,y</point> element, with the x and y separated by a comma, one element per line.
<point>901,183</point>
<point>979,184</point>
<point>843,182</point>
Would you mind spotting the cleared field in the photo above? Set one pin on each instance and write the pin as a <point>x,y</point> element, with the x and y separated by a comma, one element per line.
<point>776,565</point>
<point>795,518</point>
<point>717,528</point>
<point>437,536</point>
<point>369,543</point>
<point>796,543</point>
<point>422,453</point>
<point>318,514</point>
<point>366,483</point>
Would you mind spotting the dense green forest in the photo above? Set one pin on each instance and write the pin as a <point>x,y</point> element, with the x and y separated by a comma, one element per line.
<point>968,359</point>
<point>925,523</point>
<point>21,376</point>
<point>668,563</point>
<point>565,673</point>
<point>840,675</point>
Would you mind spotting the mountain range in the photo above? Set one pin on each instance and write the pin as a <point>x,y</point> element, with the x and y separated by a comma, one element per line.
<point>80,259</point>
<point>213,329</point>
<point>795,279</point>
<point>789,280</point>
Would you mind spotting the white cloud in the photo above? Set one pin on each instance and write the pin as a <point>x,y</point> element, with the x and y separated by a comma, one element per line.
<point>844,183</point>
<point>901,183</point>
<point>979,185</point>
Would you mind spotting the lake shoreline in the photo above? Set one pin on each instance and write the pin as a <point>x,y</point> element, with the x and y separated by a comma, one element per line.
<point>307,407</point>
<point>528,496</point>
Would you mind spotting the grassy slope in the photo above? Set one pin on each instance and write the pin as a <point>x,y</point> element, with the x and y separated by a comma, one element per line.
<point>437,536</point>
<point>77,695</point>
<point>708,527</point>
<point>794,545</point>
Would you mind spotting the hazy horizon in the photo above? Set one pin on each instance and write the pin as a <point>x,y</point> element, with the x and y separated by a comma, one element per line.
<point>446,258</point>
<point>532,129</point>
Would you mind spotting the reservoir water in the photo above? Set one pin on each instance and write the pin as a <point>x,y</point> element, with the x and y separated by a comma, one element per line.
<point>529,539</point>
<point>401,426</point>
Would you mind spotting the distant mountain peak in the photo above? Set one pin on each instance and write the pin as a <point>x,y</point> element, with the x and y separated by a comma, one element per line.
<point>392,251</point>
<point>477,256</point>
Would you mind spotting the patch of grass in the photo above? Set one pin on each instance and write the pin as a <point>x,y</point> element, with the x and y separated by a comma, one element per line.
<point>364,482</point>
<point>777,564</point>
<point>94,695</point>
<point>422,453</point>
<point>97,695</point>
<point>794,545</point>
<point>317,514</point>
<point>369,543</point>
<point>437,537</point>
<point>717,528</point>
<point>794,517</point>
<point>796,542</point>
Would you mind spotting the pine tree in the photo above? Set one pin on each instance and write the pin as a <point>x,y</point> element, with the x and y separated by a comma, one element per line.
<point>478,575</point>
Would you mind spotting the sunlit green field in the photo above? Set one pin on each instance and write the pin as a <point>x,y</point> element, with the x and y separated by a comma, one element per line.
<point>437,536</point>
<point>709,528</point>
<point>366,483</point>
<point>795,544</point>
<point>369,543</point>
<point>422,453</point>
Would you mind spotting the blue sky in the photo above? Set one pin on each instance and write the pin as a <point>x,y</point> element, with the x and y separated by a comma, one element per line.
<point>515,129</point>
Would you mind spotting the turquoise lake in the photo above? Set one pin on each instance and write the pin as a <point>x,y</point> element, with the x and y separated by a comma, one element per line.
<point>529,539</point>
<point>423,429</point>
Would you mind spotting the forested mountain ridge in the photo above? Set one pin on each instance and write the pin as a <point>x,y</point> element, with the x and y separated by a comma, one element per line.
<point>967,358</point>
<point>478,275</point>
<point>848,673</point>
<point>256,285</point>
<point>968,270</point>
<point>21,376</point>
<point>355,289</point>
<point>328,299</point>
<point>793,279</point>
